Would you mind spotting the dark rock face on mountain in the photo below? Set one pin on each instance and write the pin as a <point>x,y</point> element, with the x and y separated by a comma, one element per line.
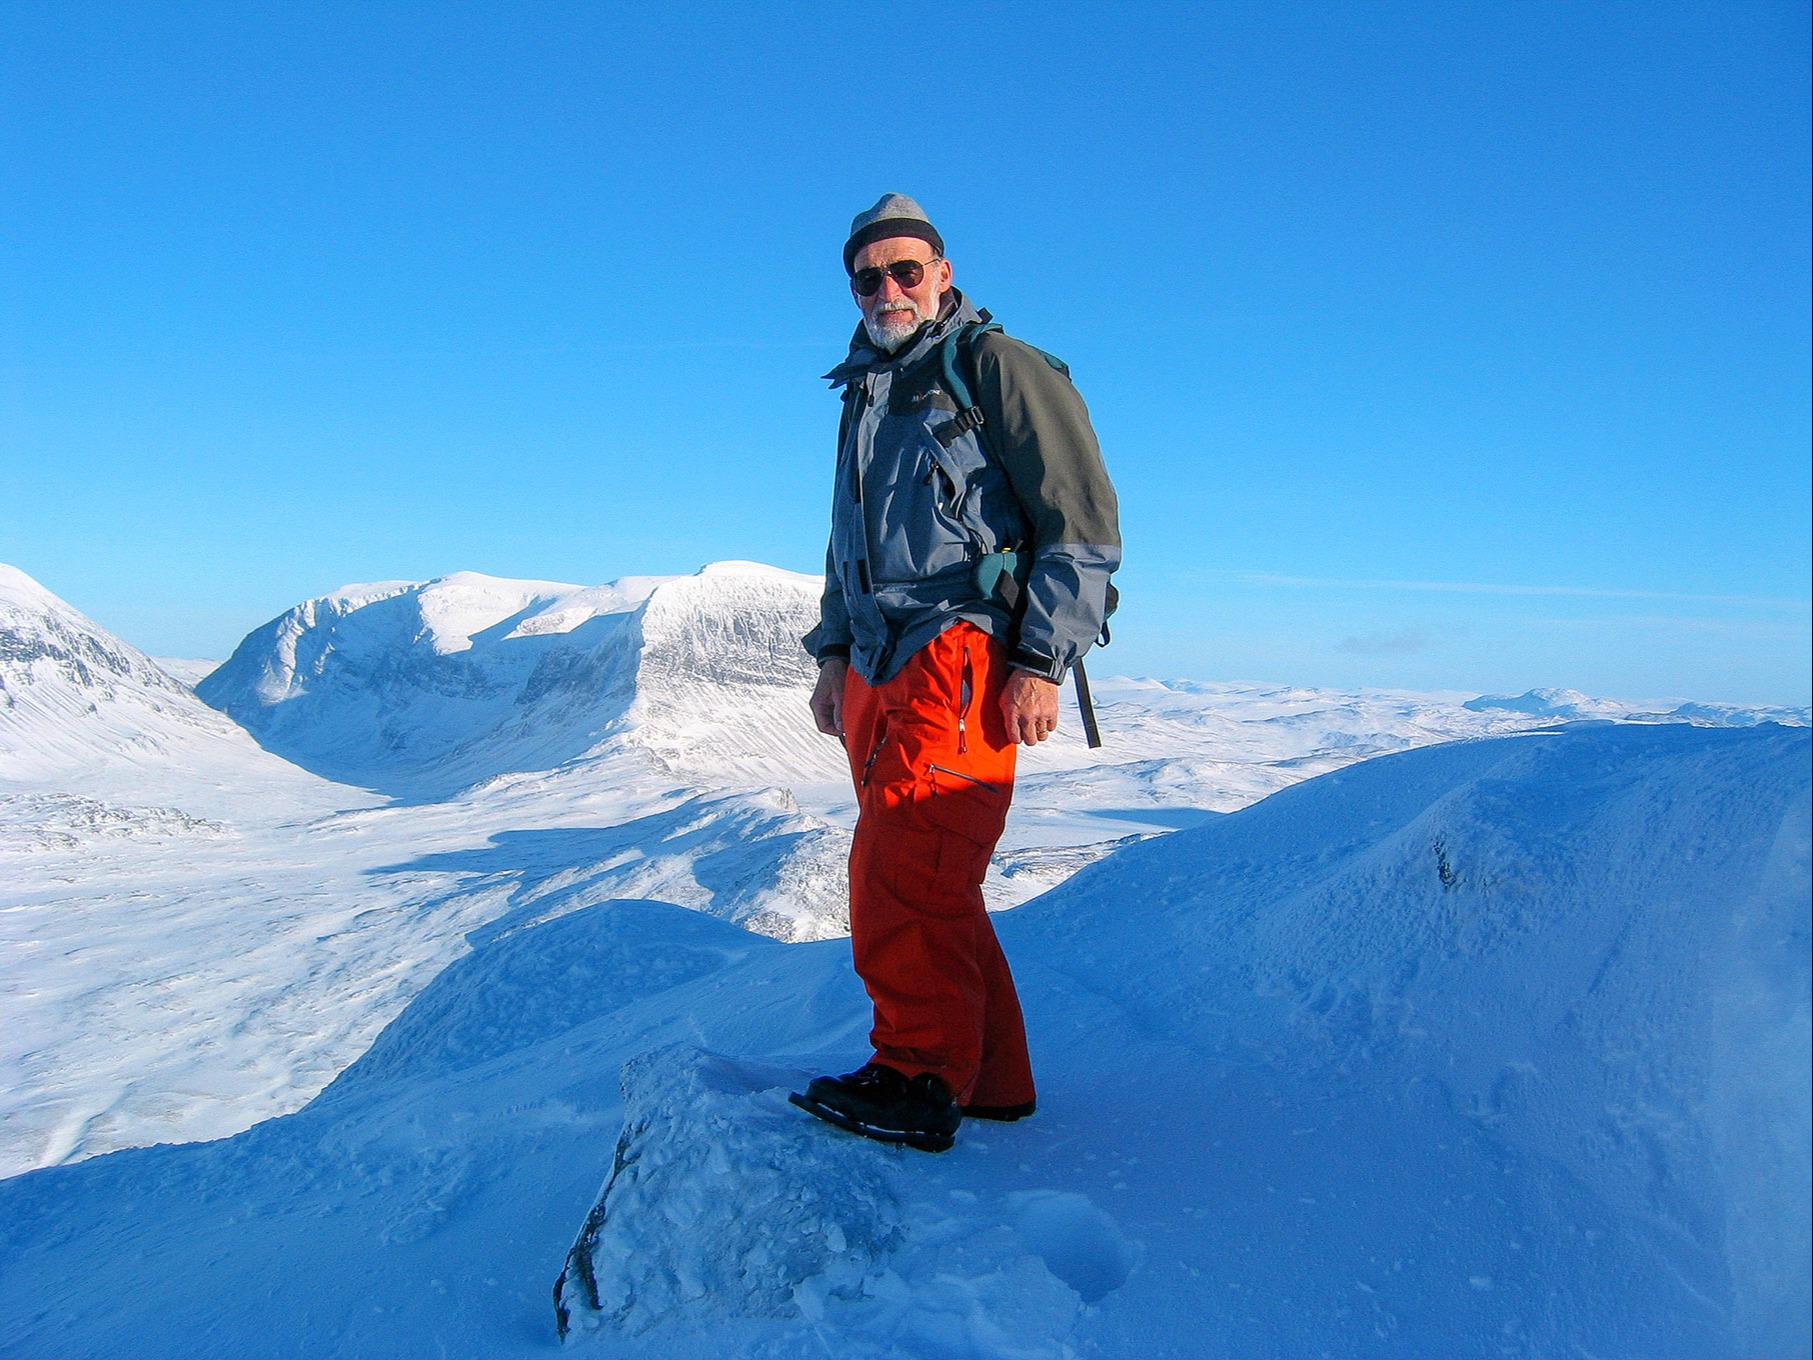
<point>44,643</point>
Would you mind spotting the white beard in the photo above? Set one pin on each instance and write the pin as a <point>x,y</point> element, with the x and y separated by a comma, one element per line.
<point>891,329</point>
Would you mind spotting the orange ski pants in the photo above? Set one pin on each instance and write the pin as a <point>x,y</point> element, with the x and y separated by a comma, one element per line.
<point>934,770</point>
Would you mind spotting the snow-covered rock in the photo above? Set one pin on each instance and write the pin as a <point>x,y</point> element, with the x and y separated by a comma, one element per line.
<point>729,1227</point>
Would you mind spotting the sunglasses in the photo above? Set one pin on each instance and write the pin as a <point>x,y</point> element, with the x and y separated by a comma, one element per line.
<point>906,273</point>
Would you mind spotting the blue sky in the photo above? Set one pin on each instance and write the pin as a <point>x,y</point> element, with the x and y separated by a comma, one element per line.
<point>1436,346</point>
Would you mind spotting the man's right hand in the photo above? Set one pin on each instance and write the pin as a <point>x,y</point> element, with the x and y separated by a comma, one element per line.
<point>828,696</point>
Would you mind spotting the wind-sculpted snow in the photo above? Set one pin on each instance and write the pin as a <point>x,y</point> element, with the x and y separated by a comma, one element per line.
<point>749,858</point>
<point>533,979</point>
<point>1495,1048</point>
<point>64,821</point>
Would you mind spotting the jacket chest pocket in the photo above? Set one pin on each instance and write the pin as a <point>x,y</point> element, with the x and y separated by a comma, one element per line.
<point>916,504</point>
<point>945,477</point>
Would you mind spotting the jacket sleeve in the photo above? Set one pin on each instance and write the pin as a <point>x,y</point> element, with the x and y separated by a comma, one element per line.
<point>1042,435</point>
<point>832,637</point>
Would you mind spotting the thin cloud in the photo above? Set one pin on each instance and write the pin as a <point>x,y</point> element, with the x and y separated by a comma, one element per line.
<point>1407,643</point>
<point>1261,578</point>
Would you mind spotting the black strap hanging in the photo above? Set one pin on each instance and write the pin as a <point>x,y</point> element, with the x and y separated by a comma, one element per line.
<point>1091,733</point>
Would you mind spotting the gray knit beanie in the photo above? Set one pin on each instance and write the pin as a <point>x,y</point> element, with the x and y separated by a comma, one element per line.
<point>892,215</point>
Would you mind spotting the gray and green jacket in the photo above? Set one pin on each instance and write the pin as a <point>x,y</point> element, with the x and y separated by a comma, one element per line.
<point>918,500</point>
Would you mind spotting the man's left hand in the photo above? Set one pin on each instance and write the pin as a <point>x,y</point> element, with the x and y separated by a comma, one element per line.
<point>1030,705</point>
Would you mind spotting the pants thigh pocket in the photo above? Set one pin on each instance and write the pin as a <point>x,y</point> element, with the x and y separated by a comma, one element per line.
<point>968,821</point>
<point>930,867</point>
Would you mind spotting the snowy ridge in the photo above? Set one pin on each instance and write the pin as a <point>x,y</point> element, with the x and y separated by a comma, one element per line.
<point>1493,1048</point>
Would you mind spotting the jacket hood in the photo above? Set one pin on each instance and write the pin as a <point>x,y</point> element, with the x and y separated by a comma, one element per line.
<point>864,355</point>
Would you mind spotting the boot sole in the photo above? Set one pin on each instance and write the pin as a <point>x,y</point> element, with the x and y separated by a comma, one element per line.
<point>923,1140</point>
<point>1001,1114</point>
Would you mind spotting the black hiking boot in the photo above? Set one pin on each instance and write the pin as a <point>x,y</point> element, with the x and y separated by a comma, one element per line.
<point>878,1102</point>
<point>1005,1114</point>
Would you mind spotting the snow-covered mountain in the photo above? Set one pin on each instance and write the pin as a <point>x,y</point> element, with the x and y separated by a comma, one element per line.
<point>1494,1048</point>
<point>425,688</point>
<point>79,706</point>
<point>1568,704</point>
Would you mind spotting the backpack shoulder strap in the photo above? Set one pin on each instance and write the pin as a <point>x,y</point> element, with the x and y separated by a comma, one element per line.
<point>957,366</point>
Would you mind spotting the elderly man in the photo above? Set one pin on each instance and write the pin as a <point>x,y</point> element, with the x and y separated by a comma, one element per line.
<point>968,567</point>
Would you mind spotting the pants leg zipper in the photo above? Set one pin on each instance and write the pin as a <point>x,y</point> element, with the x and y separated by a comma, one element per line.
<point>965,694</point>
<point>958,774</point>
<point>874,755</point>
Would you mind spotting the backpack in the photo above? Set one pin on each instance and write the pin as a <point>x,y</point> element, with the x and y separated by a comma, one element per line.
<point>998,574</point>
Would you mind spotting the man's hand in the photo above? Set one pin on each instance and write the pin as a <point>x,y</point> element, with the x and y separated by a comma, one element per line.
<point>828,696</point>
<point>1030,705</point>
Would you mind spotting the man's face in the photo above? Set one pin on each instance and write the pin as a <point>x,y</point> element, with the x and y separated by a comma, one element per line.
<point>892,314</point>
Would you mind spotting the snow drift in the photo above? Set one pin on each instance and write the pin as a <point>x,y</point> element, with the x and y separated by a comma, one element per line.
<point>1493,1048</point>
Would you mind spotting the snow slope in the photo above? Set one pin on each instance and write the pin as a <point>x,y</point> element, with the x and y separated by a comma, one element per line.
<point>1492,1048</point>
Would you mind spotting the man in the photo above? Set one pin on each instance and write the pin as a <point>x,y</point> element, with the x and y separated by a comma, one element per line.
<point>932,665</point>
